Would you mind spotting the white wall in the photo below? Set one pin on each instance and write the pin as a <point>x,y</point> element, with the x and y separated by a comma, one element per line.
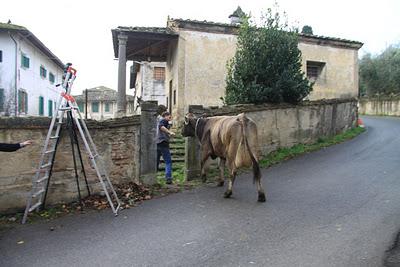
<point>31,81</point>
<point>28,79</point>
<point>152,90</point>
<point>7,73</point>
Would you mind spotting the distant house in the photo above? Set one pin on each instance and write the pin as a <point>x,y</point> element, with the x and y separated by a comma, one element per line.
<point>29,72</point>
<point>196,53</point>
<point>101,103</point>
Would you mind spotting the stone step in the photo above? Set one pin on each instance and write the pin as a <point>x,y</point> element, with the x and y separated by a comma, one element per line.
<point>177,159</point>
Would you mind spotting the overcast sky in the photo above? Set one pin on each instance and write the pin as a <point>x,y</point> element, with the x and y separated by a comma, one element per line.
<point>80,31</point>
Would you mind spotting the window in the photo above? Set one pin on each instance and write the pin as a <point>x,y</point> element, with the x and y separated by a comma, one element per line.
<point>22,102</point>
<point>174,97</point>
<point>41,105</point>
<point>108,107</point>
<point>50,108</point>
<point>52,78</point>
<point>25,61</point>
<point>1,56</point>
<point>1,99</point>
<point>159,74</point>
<point>314,69</point>
<point>43,72</point>
<point>80,106</point>
<point>95,107</point>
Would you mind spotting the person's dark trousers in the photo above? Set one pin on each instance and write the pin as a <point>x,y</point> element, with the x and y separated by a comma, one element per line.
<point>163,150</point>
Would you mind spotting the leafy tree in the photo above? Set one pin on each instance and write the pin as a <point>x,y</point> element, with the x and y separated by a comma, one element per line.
<point>381,74</point>
<point>307,30</point>
<point>267,65</point>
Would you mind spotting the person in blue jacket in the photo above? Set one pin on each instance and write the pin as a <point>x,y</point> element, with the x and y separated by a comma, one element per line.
<point>14,147</point>
<point>163,137</point>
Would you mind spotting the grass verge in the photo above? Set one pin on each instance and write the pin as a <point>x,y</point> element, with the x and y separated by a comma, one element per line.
<point>287,153</point>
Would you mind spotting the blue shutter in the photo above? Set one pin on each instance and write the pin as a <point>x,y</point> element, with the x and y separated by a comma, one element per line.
<point>41,105</point>
<point>50,108</point>
<point>1,100</point>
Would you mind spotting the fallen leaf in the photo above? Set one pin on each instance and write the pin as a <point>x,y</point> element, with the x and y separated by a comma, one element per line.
<point>20,242</point>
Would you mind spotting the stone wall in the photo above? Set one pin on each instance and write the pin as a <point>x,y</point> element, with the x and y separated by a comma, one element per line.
<point>284,125</point>
<point>117,141</point>
<point>388,106</point>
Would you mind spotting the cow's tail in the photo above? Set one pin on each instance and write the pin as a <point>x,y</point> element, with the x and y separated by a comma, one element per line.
<point>256,166</point>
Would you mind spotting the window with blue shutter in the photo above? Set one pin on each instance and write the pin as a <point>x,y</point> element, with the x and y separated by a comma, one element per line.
<point>43,72</point>
<point>1,99</point>
<point>95,107</point>
<point>107,107</point>
<point>25,61</point>
<point>50,108</point>
<point>1,56</point>
<point>41,105</point>
<point>80,106</point>
<point>52,78</point>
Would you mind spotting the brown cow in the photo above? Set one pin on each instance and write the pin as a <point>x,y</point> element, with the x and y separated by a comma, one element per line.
<point>231,138</point>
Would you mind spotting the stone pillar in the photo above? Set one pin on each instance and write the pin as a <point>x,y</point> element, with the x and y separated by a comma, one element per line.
<point>148,146</point>
<point>121,100</point>
<point>192,150</point>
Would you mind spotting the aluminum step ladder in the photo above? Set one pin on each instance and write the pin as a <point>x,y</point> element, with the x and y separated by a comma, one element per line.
<point>40,182</point>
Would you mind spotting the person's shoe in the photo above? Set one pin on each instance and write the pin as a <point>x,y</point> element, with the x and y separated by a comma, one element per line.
<point>169,181</point>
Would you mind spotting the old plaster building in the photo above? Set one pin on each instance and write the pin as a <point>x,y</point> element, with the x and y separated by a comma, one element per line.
<point>196,53</point>
<point>148,81</point>
<point>29,72</point>
<point>100,103</point>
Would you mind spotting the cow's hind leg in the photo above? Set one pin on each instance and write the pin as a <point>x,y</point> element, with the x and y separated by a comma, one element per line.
<point>221,172</point>
<point>257,180</point>
<point>232,178</point>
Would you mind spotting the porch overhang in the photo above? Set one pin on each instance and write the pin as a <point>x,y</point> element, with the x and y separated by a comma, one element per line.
<point>144,43</point>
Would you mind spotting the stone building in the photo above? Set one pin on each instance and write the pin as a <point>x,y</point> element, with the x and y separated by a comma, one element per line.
<point>196,53</point>
<point>29,72</point>
<point>101,103</point>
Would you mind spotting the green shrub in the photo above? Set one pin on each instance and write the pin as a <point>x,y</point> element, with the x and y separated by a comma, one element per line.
<point>267,65</point>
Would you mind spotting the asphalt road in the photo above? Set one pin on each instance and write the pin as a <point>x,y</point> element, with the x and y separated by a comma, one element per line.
<point>336,207</point>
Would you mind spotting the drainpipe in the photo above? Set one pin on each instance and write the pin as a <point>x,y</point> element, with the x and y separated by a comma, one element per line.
<point>16,75</point>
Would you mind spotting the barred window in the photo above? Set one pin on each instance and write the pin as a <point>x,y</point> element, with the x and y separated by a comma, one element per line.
<point>314,69</point>
<point>22,101</point>
<point>159,73</point>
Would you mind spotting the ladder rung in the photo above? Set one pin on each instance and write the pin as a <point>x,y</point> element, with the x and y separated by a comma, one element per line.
<point>96,156</point>
<point>49,151</point>
<point>66,108</point>
<point>35,206</point>
<point>42,179</point>
<point>45,165</point>
<point>54,137</point>
<point>41,191</point>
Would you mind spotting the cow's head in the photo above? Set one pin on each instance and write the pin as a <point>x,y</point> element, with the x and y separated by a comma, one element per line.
<point>189,126</point>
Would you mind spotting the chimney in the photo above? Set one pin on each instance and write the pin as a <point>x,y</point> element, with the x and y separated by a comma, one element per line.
<point>236,16</point>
